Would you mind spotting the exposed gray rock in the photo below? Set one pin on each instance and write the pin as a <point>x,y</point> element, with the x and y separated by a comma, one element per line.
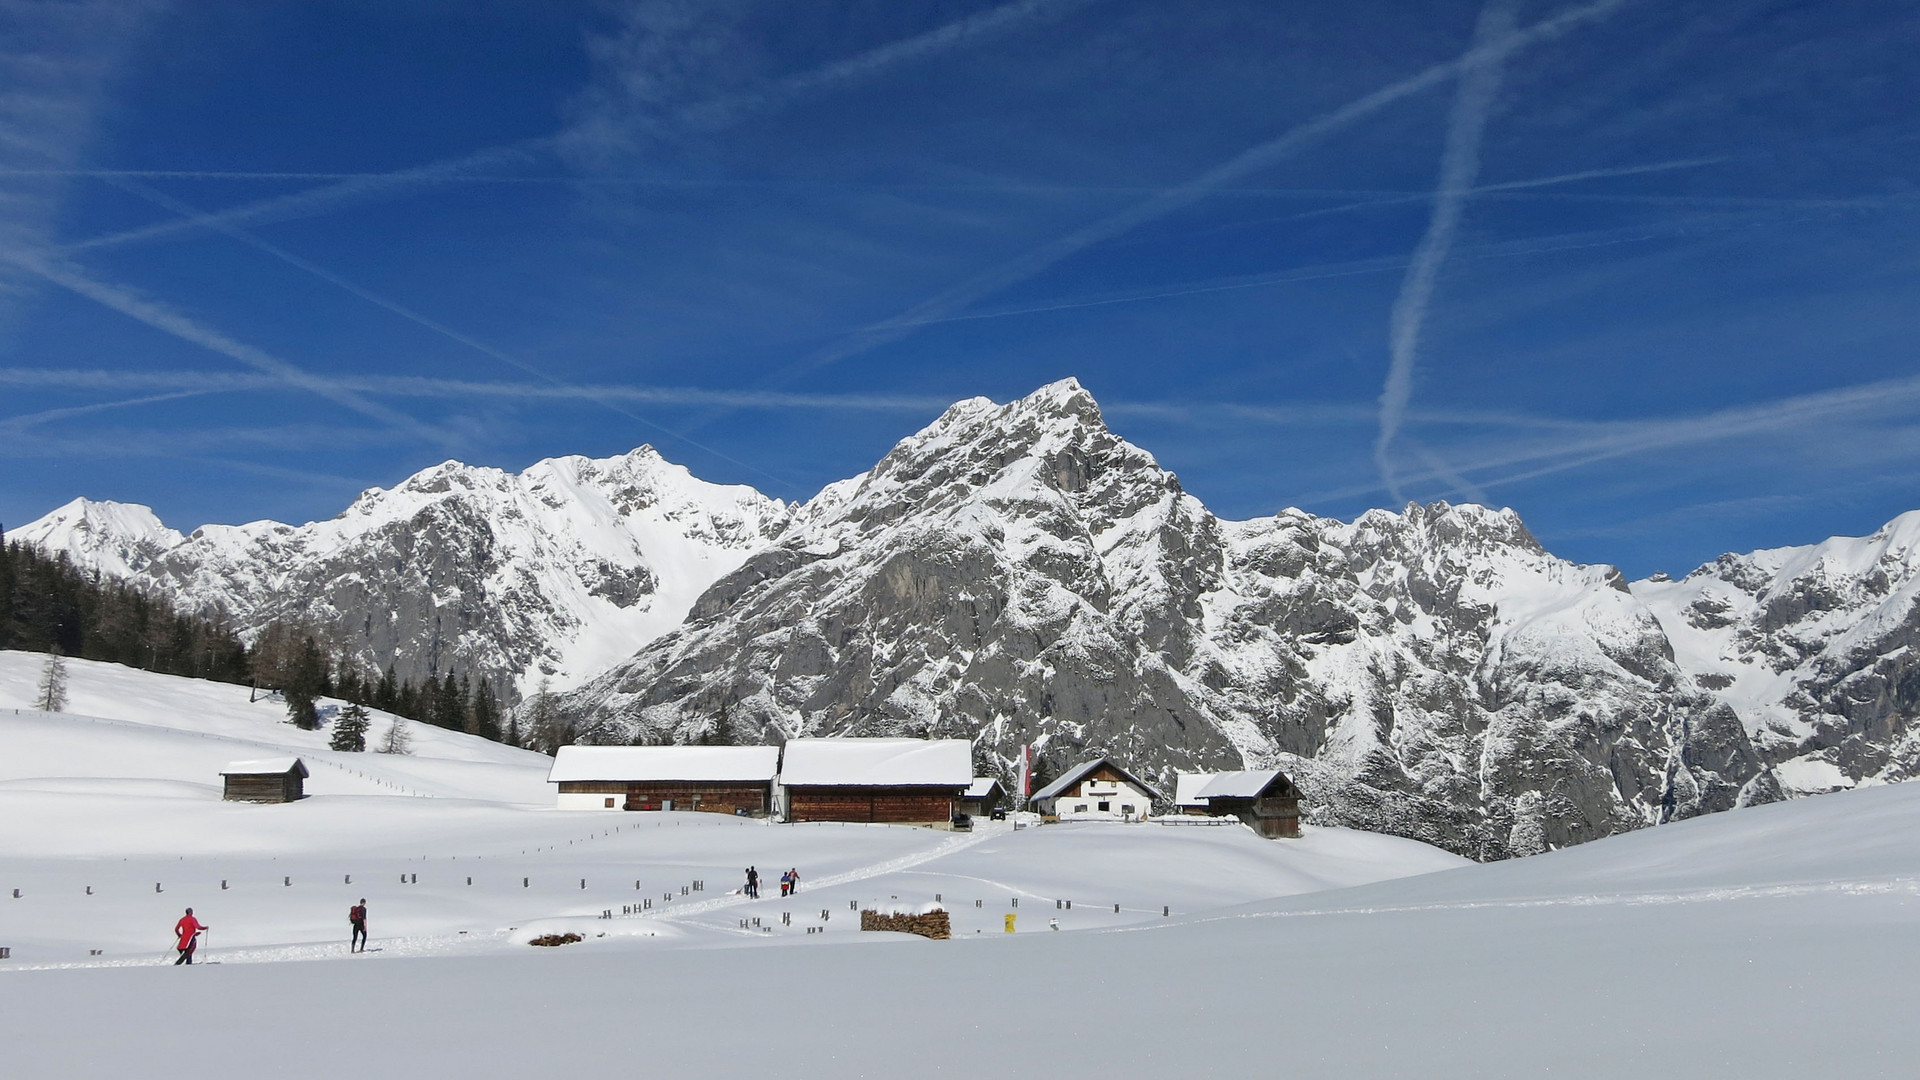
<point>1018,574</point>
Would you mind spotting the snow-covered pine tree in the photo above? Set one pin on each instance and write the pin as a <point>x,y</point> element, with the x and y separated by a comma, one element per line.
<point>397,740</point>
<point>52,695</point>
<point>350,730</point>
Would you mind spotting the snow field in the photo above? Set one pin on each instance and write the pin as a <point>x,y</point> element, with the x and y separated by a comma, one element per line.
<point>1777,941</point>
<point>458,850</point>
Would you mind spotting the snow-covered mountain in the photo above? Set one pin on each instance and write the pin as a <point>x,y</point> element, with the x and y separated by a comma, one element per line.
<point>556,572</point>
<point>1813,647</point>
<point>1020,574</point>
<point>117,539</point>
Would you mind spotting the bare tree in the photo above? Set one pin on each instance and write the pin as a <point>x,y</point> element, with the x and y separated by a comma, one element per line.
<point>397,740</point>
<point>52,696</point>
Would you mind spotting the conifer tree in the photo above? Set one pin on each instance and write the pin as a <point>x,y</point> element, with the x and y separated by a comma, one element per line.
<point>397,740</point>
<point>484,714</point>
<point>350,730</point>
<point>448,709</point>
<point>305,680</point>
<point>52,695</point>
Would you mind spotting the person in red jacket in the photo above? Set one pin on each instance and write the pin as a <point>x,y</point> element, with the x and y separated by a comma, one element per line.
<point>188,928</point>
<point>357,915</point>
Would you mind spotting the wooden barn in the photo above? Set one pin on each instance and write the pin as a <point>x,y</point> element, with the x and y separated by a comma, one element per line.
<point>985,796</point>
<point>268,780</point>
<point>1263,798</point>
<point>900,781</point>
<point>1097,790</point>
<point>711,779</point>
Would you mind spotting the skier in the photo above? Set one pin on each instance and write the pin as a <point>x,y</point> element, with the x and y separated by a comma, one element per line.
<point>188,930</point>
<point>753,883</point>
<point>786,885</point>
<point>793,880</point>
<point>357,914</point>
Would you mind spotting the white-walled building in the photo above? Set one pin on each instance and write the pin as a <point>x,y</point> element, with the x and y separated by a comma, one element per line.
<point>1097,790</point>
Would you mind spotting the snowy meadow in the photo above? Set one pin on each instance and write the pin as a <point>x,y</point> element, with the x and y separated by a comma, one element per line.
<point>1772,941</point>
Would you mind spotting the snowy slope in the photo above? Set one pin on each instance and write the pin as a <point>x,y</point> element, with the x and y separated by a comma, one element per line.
<point>110,821</point>
<point>555,572</point>
<point>1729,945</point>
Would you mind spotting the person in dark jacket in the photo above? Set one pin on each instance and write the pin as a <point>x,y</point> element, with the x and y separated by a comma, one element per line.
<point>357,915</point>
<point>188,930</point>
<point>753,883</point>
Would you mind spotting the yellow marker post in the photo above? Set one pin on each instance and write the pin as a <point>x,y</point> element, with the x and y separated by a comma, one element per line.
<point>1010,917</point>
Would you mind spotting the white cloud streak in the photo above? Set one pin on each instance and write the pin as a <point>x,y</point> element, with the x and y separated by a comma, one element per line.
<point>956,298</point>
<point>1530,460</point>
<point>319,200</point>
<point>1459,170</point>
<point>172,322</point>
<point>954,35</point>
<point>211,382</point>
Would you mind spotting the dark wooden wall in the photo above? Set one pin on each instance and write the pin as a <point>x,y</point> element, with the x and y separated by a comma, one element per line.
<point>885,804</point>
<point>713,796</point>
<point>277,788</point>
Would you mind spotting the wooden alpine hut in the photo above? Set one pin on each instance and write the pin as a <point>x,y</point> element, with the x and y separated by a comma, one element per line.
<point>899,781</point>
<point>985,796</point>
<point>266,780</point>
<point>1263,798</point>
<point>711,779</point>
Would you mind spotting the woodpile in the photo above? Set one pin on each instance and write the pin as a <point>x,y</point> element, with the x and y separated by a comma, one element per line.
<point>556,939</point>
<point>932,924</point>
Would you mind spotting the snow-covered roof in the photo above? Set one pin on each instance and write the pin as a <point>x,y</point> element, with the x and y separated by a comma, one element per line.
<point>878,762</point>
<point>740,763</point>
<point>1187,787</point>
<point>273,766</point>
<point>1079,772</point>
<point>1238,785</point>
<point>1195,789</point>
<point>983,786</point>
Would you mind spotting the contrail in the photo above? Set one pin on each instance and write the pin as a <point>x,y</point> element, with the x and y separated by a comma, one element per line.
<point>168,321</point>
<point>228,228</point>
<point>1624,438</point>
<point>1459,168</point>
<point>957,297</point>
<point>314,200</point>
<point>952,35</point>
<point>212,382</point>
<point>26,420</point>
<point>356,186</point>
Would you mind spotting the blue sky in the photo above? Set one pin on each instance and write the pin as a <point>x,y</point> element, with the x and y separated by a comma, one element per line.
<point>1648,272</point>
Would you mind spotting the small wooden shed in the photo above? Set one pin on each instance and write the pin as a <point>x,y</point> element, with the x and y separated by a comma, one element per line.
<point>712,779</point>
<point>985,796</point>
<point>267,780</point>
<point>1263,798</point>
<point>900,781</point>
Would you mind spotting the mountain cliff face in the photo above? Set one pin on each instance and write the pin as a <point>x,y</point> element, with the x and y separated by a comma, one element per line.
<point>1814,648</point>
<point>1020,574</point>
<point>556,572</point>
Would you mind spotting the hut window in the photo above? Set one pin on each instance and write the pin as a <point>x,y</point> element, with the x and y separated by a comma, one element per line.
<point>1126,808</point>
<point>609,804</point>
<point>1105,806</point>
<point>1080,808</point>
